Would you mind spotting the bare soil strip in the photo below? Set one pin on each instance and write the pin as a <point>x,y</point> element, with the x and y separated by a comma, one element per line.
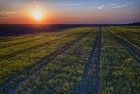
<point>96,77</point>
<point>10,86</point>
<point>91,82</point>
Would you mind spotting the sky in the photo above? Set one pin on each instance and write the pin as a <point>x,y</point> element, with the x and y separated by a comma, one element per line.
<point>70,11</point>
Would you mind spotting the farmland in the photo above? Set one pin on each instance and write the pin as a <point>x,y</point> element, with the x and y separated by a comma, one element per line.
<point>76,60</point>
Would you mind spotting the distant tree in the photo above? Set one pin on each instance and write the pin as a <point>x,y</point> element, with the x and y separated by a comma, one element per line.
<point>136,23</point>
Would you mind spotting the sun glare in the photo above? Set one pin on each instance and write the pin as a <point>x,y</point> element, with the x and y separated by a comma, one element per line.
<point>37,15</point>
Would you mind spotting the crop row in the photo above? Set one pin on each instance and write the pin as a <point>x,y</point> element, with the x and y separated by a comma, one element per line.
<point>119,69</point>
<point>18,45</point>
<point>127,45</point>
<point>17,62</point>
<point>63,73</point>
<point>30,70</point>
<point>81,60</point>
<point>130,34</point>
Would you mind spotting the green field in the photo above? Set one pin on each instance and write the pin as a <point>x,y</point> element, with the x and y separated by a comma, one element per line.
<point>82,60</point>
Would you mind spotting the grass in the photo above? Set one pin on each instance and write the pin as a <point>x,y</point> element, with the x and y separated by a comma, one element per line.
<point>61,75</point>
<point>19,61</point>
<point>63,71</point>
<point>131,33</point>
<point>119,70</point>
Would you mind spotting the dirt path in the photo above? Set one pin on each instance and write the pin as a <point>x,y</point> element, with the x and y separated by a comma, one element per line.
<point>92,82</point>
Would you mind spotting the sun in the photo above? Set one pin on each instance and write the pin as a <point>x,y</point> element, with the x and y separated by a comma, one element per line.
<point>37,15</point>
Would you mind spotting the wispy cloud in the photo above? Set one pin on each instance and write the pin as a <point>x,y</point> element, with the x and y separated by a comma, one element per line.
<point>100,7</point>
<point>9,13</point>
<point>66,4</point>
<point>4,14</point>
<point>119,6</point>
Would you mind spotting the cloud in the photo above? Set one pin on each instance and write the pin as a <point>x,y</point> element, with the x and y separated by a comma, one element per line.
<point>70,4</point>
<point>119,6</point>
<point>9,13</point>
<point>4,15</point>
<point>100,7</point>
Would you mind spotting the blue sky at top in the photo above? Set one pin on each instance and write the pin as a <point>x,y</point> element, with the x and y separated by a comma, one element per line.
<point>78,11</point>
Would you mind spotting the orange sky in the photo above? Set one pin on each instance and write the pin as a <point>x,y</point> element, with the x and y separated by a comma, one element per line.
<point>65,11</point>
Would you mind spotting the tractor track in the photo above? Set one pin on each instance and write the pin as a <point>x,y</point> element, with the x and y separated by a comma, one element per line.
<point>94,57</point>
<point>11,85</point>
<point>127,44</point>
<point>12,55</point>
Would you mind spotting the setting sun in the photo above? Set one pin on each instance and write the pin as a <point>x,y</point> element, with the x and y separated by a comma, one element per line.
<point>37,15</point>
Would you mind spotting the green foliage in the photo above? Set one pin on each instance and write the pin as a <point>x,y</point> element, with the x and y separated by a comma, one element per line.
<point>119,70</point>
<point>15,56</point>
<point>131,33</point>
<point>61,75</point>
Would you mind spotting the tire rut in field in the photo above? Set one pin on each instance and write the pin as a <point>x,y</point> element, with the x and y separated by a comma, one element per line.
<point>94,57</point>
<point>12,55</point>
<point>127,44</point>
<point>10,86</point>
